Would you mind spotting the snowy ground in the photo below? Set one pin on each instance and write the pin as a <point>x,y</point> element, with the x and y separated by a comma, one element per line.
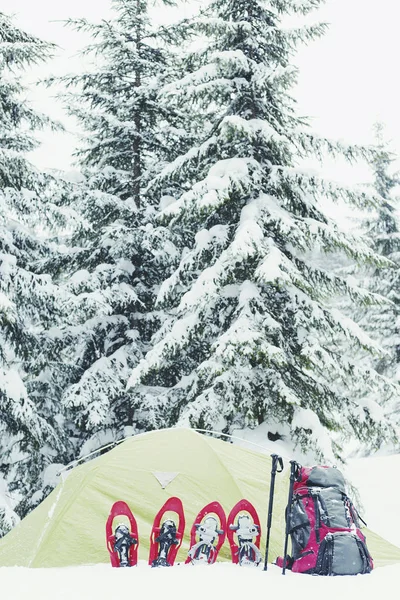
<point>378,483</point>
<point>223,581</point>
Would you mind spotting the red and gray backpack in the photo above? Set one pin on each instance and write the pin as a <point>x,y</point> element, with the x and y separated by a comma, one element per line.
<point>324,526</point>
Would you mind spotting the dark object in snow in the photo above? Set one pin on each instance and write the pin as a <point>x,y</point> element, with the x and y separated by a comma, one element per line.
<point>324,526</point>
<point>210,528</point>
<point>166,539</point>
<point>124,543</point>
<point>247,528</point>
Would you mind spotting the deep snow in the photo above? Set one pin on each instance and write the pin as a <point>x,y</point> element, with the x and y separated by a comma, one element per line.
<point>378,484</point>
<point>185,582</point>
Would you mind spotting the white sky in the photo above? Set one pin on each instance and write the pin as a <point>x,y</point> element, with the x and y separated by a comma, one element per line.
<point>348,79</point>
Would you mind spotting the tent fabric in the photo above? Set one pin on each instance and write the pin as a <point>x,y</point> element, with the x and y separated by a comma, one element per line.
<point>68,527</point>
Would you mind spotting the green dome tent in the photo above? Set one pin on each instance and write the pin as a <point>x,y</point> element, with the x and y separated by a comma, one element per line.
<point>68,527</point>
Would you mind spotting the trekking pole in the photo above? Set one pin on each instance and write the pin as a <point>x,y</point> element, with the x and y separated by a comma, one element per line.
<point>276,460</point>
<point>294,470</point>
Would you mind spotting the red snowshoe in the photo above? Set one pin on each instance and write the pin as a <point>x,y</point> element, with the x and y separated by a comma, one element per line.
<point>165,538</point>
<point>123,544</point>
<point>243,522</point>
<point>209,530</point>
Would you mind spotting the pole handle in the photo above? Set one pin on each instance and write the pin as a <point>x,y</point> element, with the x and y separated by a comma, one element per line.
<point>277,463</point>
<point>294,470</point>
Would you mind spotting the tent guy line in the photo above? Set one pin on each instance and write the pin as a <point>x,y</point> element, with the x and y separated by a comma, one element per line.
<point>117,442</point>
<point>235,437</point>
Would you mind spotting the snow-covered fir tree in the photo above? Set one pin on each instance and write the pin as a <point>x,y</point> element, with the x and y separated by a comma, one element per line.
<point>383,229</point>
<point>30,437</point>
<point>251,333</point>
<point>116,254</point>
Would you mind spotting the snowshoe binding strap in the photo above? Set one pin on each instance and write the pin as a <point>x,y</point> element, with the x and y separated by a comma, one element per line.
<point>244,526</point>
<point>123,541</point>
<point>202,552</point>
<point>165,539</point>
<point>205,550</point>
<point>246,530</point>
<point>207,535</point>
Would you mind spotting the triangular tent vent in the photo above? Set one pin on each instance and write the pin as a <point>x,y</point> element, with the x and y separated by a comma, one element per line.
<point>164,477</point>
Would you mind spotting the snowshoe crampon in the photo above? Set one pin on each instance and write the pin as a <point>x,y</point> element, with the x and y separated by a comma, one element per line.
<point>123,543</point>
<point>166,538</point>
<point>244,524</point>
<point>207,535</point>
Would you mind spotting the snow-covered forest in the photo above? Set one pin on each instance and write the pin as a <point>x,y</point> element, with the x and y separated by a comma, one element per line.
<point>194,270</point>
